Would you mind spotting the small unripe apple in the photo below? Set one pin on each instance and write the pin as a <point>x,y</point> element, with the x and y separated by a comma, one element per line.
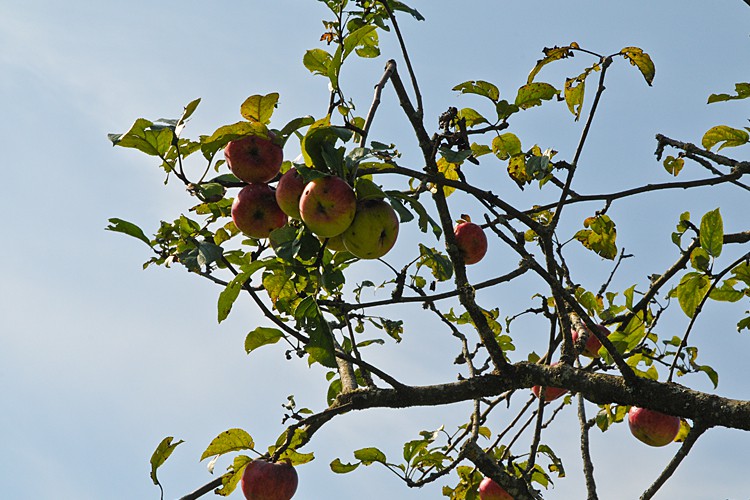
<point>253,158</point>
<point>490,490</point>
<point>263,480</point>
<point>373,231</point>
<point>327,206</point>
<point>652,427</point>
<point>335,244</point>
<point>289,191</point>
<point>471,241</point>
<point>255,211</point>
<point>593,344</point>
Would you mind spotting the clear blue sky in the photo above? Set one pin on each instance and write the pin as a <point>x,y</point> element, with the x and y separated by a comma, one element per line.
<point>100,360</point>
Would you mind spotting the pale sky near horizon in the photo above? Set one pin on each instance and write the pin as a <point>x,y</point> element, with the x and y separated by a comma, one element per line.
<point>100,360</point>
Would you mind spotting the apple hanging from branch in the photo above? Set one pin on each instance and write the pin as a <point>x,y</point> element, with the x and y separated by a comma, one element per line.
<point>263,480</point>
<point>254,158</point>
<point>255,211</point>
<point>327,206</point>
<point>490,490</point>
<point>471,240</point>
<point>593,344</point>
<point>289,191</point>
<point>373,231</point>
<point>652,427</point>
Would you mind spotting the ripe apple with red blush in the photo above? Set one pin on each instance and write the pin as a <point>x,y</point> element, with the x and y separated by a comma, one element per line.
<point>327,206</point>
<point>652,427</point>
<point>254,158</point>
<point>471,240</point>
<point>263,480</point>
<point>289,191</point>
<point>593,344</point>
<point>490,490</point>
<point>255,211</point>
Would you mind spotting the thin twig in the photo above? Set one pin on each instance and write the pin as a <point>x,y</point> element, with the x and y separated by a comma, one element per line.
<point>588,464</point>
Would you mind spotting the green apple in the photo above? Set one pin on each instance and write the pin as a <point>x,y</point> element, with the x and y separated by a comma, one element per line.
<point>263,480</point>
<point>652,427</point>
<point>373,231</point>
<point>490,490</point>
<point>255,211</point>
<point>254,158</point>
<point>327,206</point>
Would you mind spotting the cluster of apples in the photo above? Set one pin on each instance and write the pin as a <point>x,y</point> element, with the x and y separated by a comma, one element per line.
<point>327,205</point>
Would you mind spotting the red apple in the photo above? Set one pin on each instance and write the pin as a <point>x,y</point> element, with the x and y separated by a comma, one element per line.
<point>253,158</point>
<point>652,427</point>
<point>255,211</point>
<point>289,191</point>
<point>550,393</point>
<point>327,206</point>
<point>490,490</point>
<point>373,231</point>
<point>263,480</point>
<point>592,343</point>
<point>471,241</point>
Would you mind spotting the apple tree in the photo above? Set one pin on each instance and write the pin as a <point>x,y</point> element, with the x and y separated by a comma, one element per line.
<point>294,237</point>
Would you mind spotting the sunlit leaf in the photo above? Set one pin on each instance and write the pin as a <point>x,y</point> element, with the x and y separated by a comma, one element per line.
<point>532,94</point>
<point>724,136</point>
<point>262,336</point>
<point>673,165</point>
<point>161,454</point>
<point>479,87</point>
<point>574,91</point>
<point>317,61</point>
<point>642,60</point>
<point>125,227</point>
<point>370,455</point>
<point>228,441</point>
<point>259,108</point>
<point>506,145</point>
<point>550,54</point>
<point>712,233</point>
<point>339,467</point>
<point>600,236</point>
<point>742,92</point>
<point>691,290</point>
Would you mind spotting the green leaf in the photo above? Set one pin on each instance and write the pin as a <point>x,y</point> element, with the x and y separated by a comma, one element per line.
<point>261,336</point>
<point>230,294</point>
<point>479,87</point>
<point>711,373</point>
<point>147,137</point>
<point>471,116</point>
<point>364,39</point>
<point>231,479</point>
<point>742,89</point>
<point>424,218</point>
<point>370,455</point>
<point>506,145</point>
<point>600,237</point>
<point>125,227</point>
<point>743,324</point>
<point>673,165</point>
<point>293,126</point>
<point>642,60</point>
<point>727,136</point>
<point>310,318</point>
<point>455,157</point>
<point>727,293</point>
<point>317,61</point>
<point>691,290</point>
<point>228,441</point>
<point>400,6</point>
<point>551,54</point>
<point>341,468</point>
<point>517,170</point>
<point>161,454</point>
<point>742,272</point>
<point>259,108</point>
<point>712,233</point>
<point>436,261</point>
<point>208,253</point>
<point>532,94</point>
<point>573,92</point>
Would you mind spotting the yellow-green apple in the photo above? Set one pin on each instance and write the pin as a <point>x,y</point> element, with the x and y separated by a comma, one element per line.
<point>490,490</point>
<point>373,231</point>
<point>327,206</point>
<point>593,344</point>
<point>263,480</point>
<point>471,241</point>
<point>289,191</point>
<point>335,244</point>
<point>255,211</point>
<point>253,158</point>
<point>652,427</point>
